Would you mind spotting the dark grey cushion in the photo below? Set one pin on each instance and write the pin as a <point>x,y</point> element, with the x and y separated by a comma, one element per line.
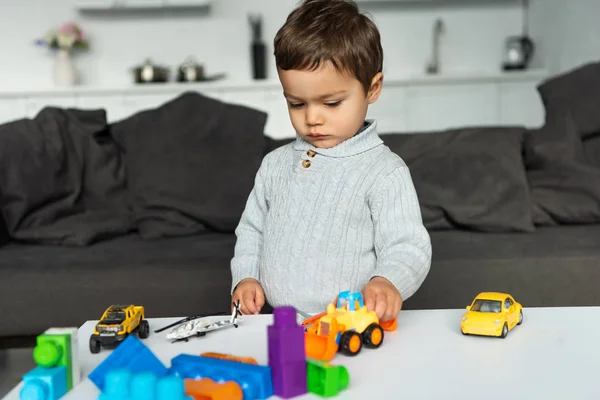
<point>470,178</point>
<point>61,180</point>
<point>565,186</point>
<point>190,164</point>
<point>42,286</point>
<point>552,267</point>
<point>4,237</point>
<point>591,148</point>
<point>578,91</point>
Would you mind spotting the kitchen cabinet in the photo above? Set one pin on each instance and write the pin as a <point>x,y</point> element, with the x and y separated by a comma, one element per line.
<point>451,105</point>
<point>418,104</point>
<point>111,103</point>
<point>278,124</point>
<point>521,104</point>
<point>12,109</point>
<point>390,110</point>
<point>33,105</point>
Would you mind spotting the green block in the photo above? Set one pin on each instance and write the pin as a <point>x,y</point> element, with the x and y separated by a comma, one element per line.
<point>54,351</point>
<point>324,379</point>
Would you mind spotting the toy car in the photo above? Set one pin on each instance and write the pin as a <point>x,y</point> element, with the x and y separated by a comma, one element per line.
<point>117,322</point>
<point>345,327</point>
<point>492,314</point>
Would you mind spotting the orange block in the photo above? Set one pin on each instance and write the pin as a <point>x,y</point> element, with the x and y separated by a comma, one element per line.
<point>207,389</point>
<point>247,360</point>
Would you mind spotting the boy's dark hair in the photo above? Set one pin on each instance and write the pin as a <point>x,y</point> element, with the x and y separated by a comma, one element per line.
<point>319,31</point>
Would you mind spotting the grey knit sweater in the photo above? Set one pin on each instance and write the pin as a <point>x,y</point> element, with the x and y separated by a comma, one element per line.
<point>321,221</point>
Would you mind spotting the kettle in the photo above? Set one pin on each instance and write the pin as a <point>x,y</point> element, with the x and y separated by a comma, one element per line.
<point>518,52</point>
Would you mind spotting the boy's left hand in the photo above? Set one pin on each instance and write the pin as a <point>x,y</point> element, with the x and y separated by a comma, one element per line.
<point>381,296</point>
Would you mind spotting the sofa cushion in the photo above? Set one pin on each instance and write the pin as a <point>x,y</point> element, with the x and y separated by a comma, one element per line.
<point>191,164</point>
<point>471,178</point>
<point>576,91</point>
<point>591,148</point>
<point>565,185</point>
<point>4,237</point>
<point>554,266</point>
<point>170,277</point>
<point>61,179</point>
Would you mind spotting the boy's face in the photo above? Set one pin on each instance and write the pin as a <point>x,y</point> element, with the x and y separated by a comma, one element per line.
<point>327,107</point>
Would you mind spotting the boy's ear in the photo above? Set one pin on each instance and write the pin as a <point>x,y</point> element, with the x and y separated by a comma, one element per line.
<point>375,89</point>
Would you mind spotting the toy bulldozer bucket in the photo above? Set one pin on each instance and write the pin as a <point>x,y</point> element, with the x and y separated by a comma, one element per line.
<point>320,347</point>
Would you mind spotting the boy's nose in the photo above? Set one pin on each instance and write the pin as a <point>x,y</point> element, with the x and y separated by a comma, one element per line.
<point>313,117</point>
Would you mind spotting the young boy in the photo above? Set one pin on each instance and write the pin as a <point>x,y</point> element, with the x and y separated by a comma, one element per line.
<point>336,209</point>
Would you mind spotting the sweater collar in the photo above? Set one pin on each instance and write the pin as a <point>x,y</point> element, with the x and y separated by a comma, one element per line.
<point>365,139</point>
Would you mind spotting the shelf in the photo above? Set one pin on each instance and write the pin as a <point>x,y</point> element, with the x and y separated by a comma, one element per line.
<point>436,2</point>
<point>242,85</point>
<point>128,6</point>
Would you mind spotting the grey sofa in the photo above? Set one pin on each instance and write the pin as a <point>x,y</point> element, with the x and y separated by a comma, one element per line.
<point>124,213</point>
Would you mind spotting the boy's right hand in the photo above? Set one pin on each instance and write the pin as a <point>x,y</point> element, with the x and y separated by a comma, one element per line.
<point>250,294</point>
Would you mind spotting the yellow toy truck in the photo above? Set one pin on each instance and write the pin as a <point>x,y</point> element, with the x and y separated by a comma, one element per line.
<point>117,322</point>
<point>345,327</point>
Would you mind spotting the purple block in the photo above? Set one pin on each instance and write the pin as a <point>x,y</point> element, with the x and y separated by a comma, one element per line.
<point>287,354</point>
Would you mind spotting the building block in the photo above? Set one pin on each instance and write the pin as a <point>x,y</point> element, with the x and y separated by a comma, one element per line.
<point>248,360</point>
<point>326,380</point>
<point>131,355</point>
<point>287,354</point>
<point>121,384</point>
<point>207,389</point>
<point>74,375</point>
<point>44,383</point>
<point>255,380</point>
<point>54,350</point>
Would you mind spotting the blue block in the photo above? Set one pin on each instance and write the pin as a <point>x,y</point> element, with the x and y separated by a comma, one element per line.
<point>131,355</point>
<point>123,385</point>
<point>44,384</point>
<point>255,380</point>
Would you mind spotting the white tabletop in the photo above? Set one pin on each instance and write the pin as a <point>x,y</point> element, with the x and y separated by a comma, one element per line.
<point>555,354</point>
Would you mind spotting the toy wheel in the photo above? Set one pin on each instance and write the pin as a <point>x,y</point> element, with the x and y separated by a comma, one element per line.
<point>504,331</point>
<point>520,318</point>
<point>351,343</point>
<point>373,336</point>
<point>144,329</point>
<point>94,346</point>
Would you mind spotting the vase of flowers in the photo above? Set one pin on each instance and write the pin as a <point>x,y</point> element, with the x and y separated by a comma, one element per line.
<point>63,41</point>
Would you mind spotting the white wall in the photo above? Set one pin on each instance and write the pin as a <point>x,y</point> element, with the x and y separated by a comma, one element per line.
<point>566,32</point>
<point>473,40</point>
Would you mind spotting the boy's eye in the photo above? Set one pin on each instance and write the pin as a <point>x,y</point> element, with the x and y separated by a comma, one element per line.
<point>333,103</point>
<point>296,105</point>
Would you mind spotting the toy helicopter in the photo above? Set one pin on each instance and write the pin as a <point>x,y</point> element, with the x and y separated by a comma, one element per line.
<point>196,326</point>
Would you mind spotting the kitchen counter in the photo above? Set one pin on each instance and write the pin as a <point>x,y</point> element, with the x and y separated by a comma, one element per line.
<point>233,84</point>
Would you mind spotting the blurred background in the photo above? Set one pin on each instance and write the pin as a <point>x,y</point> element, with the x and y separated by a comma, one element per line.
<point>465,60</point>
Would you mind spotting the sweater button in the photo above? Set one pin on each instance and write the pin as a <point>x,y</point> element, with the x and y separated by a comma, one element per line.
<point>306,163</point>
<point>311,153</point>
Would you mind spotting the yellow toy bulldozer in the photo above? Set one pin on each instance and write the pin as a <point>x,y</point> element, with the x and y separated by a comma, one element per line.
<point>345,327</point>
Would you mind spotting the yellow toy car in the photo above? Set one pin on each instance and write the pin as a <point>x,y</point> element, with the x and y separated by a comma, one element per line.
<point>117,322</point>
<point>492,314</point>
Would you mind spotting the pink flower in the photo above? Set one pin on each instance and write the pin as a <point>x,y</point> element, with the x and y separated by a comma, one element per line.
<point>68,27</point>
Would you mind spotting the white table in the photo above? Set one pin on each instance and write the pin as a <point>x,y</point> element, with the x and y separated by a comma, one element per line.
<point>555,354</point>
